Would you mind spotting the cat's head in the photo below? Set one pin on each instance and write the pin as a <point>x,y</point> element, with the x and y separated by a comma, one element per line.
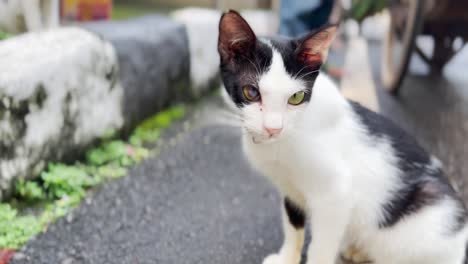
<point>270,80</point>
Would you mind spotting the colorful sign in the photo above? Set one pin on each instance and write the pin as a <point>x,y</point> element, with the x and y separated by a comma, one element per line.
<point>85,10</point>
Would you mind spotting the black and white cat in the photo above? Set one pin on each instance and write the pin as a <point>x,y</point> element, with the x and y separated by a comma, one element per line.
<point>358,178</point>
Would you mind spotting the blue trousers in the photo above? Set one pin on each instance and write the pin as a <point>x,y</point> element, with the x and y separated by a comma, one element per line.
<point>298,17</point>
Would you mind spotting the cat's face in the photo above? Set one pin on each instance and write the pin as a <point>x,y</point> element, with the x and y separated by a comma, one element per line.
<point>270,81</point>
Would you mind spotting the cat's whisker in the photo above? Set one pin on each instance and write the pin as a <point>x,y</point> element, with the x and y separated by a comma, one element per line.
<point>239,121</point>
<point>230,123</point>
<point>229,114</point>
<point>308,73</point>
<point>295,75</point>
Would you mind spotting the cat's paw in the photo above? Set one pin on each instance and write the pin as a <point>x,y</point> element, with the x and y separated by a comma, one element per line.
<point>274,259</point>
<point>281,259</point>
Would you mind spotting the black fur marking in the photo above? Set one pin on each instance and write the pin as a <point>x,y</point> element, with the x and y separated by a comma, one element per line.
<point>423,184</point>
<point>245,72</point>
<point>408,150</point>
<point>295,214</point>
<point>295,67</point>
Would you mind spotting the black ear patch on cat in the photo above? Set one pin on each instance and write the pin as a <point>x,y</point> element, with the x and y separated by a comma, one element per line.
<point>236,38</point>
<point>313,48</point>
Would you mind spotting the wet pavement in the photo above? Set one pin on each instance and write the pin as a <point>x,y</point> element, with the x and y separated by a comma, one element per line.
<point>199,201</point>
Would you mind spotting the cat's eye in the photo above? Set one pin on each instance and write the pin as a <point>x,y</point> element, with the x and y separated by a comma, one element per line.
<point>297,98</point>
<point>251,93</point>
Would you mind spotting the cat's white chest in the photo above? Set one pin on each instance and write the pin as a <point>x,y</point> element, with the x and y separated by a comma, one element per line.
<point>277,163</point>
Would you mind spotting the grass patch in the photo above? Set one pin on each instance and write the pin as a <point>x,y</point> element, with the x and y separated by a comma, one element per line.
<point>61,187</point>
<point>125,11</point>
<point>4,35</point>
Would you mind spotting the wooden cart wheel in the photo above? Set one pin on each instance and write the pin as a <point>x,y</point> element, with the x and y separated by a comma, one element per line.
<point>406,20</point>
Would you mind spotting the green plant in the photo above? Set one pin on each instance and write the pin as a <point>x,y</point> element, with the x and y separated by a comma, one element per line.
<point>61,180</point>
<point>16,230</point>
<point>150,129</point>
<point>360,9</point>
<point>4,35</point>
<point>111,151</point>
<point>30,190</point>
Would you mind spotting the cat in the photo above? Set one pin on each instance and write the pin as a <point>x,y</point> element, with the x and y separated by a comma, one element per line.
<point>28,15</point>
<point>359,179</point>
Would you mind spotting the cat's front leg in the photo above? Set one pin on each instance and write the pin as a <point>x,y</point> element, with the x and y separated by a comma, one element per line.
<point>329,219</point>
<point>293,219</point>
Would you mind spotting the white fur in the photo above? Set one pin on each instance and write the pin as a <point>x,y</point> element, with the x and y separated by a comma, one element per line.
<point>324,162</point>
<point>28,15</point>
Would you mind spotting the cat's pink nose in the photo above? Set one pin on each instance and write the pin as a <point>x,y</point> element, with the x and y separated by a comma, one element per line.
<point>273,131</point>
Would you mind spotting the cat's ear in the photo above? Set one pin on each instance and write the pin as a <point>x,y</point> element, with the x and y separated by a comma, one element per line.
<point>235,36</point>
<point>313,48</point>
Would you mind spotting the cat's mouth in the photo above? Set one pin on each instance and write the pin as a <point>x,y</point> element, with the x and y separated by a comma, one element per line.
<point>261,139</point>
<point>256,140</point>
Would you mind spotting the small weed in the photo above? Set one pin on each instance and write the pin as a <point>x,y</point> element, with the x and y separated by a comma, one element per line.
<point>16,230</point>
<point>4,35</point>
<point>61,180</point>
<point>29,190</point>
<point>150,129</point>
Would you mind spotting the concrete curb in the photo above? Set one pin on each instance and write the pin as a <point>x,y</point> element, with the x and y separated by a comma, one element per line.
<point>58,94</point>
<point>154,63</point>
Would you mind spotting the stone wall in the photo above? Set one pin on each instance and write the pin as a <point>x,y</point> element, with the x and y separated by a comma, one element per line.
<point>59,91</point>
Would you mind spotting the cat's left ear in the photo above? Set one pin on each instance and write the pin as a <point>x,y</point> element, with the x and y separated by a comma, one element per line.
<point>313,48</point>
<point>236,38</point>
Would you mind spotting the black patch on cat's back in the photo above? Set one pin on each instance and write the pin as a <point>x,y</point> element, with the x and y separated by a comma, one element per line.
<point>408,151</point>
<point>423,183</point>
<point>295,214</point>
<point>423,188</point>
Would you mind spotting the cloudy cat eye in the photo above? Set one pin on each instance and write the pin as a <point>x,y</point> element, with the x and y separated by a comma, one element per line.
<point>297,98</point>
<point>251,93</point>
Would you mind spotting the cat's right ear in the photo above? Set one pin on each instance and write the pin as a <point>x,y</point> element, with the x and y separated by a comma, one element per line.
<point>236,38</point>
<point>313,48</point>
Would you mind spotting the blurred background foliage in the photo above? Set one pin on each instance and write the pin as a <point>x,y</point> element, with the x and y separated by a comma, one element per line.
<point>360,9</point>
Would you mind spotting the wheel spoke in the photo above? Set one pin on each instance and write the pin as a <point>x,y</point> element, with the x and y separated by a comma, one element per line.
<point>422,54</point>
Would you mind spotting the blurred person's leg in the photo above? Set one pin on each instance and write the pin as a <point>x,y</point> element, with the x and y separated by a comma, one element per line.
<point>300,16</point>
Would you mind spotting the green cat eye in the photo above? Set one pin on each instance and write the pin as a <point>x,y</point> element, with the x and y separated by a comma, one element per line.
<point>296,98</point>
